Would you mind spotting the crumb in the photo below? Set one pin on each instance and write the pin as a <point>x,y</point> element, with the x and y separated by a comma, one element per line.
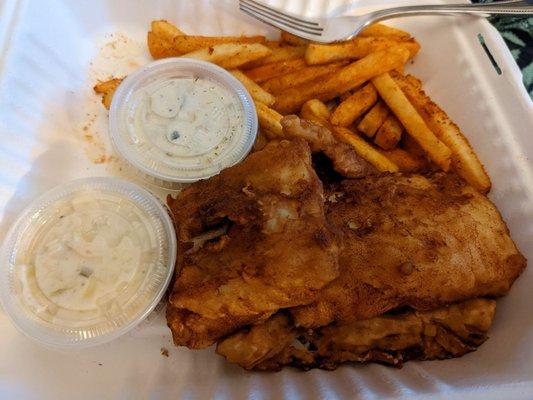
<point>100,364</point>
<point>164,351</point>
<point>100,160</point>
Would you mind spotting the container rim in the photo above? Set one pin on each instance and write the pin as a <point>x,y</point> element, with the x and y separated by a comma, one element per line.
<point>47,199</point>
<point>216,73</point>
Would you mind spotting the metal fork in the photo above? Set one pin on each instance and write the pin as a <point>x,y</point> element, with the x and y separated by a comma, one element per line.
<point>327,30</point>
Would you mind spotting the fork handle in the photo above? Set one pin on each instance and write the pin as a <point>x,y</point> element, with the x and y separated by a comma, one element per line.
<point>521,7</point>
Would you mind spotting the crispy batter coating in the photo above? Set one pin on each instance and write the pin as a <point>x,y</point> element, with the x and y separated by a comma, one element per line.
<point>410,240</point>
<point>343,156</point>
<point>252,240</point>
<point>447,332</point>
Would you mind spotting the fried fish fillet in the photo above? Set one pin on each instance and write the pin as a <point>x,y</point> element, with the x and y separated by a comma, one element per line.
<point>252,240</point>
<point>343,156</point>
<point>416,241</point>
<point>450,331</point>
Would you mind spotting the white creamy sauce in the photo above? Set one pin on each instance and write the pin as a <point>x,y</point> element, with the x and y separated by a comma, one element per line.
<point>185,121</point>
<point>89,260</point>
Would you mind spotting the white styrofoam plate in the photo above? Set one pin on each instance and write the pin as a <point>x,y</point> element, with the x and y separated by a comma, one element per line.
<point>52,129</point>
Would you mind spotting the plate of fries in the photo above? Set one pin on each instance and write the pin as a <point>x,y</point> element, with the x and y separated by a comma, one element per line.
<point>419,94</point>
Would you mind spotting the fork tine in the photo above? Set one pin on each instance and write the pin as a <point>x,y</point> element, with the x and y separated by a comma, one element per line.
<point>274,15</point>
<point>280,13</point>
<point>279,22</point>
<point>298,31</point>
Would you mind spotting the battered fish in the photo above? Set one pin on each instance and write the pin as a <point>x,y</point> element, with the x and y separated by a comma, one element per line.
<point>450,331</point>
<point>416,241</point>
<point>252,240</point>
<point>343,156</point>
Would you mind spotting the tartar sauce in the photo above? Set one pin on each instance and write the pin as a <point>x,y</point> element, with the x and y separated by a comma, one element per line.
<point>89,261</point>
<point>185,123</point>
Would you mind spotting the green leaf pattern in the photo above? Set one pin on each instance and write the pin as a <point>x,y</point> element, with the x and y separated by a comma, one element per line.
<point>518,34</point>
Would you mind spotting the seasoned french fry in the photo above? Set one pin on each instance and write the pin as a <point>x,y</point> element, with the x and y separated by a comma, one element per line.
<point>354,106</point>
<point>107,89</point>
<point>356,48</point>
<point>405,161</point>
<point>365,150</point>
<point>273,44</point>
<point>381,30</point>
<point>279,54</point>
<point>413,123</point>
<point>293,40</point>
<point>389,134</point>
<point>410,145</point>
<point>317,108</point>
<point>230,55</point>
<point>464,159</point>
<point>269,121</point>
<point>257,92</point>
<point>316,111</point>
<point>348,78</point>
<point>269,71</point>
<point>283,82</point>
<point>182,44</point>
<point>159,47</point>
<point>414,81</point>
<point>165,29</point>
<point>343,96</point>
<point>373,119</point>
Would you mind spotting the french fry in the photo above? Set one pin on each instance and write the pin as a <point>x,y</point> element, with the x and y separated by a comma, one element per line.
<point>178,45</point>
<point>343,96</point>
<point>257,92</point>
<point>279,54</point>
<point>293,40</point>
<point>413,123</point>
<point>354,106</point>
<point>107,89</point>
<point>231,55</point>
<point>356,48</point>
<point>159,47</point>
<point>365,150</point>
<point>317,108</point>
<point>269,121</point>
<point>405,161</point>
<point>330,86</point>
<point>410,145</point>
<point>269,71</point>
<point>381,30</point>
<point>165,29</point>
<point>316,111</point>
<point>273,44</point>
<point>373,119</point>
<point>286,81</point>
<point>464,159</point>
<point>389,134</point>
<point>414,81</point>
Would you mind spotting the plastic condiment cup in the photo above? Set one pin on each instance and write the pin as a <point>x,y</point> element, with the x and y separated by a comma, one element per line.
<point>153,161</point>
<point>25,291</point>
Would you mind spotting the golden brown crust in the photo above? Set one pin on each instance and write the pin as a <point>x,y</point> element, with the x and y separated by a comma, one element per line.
<point>344,158</point>
<point>451,331</point>
<point>251,240</point>
<point>412,241</point>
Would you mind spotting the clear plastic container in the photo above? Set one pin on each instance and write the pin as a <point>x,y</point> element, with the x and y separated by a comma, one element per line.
<point>154,153</point>
<point>86,262</point>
